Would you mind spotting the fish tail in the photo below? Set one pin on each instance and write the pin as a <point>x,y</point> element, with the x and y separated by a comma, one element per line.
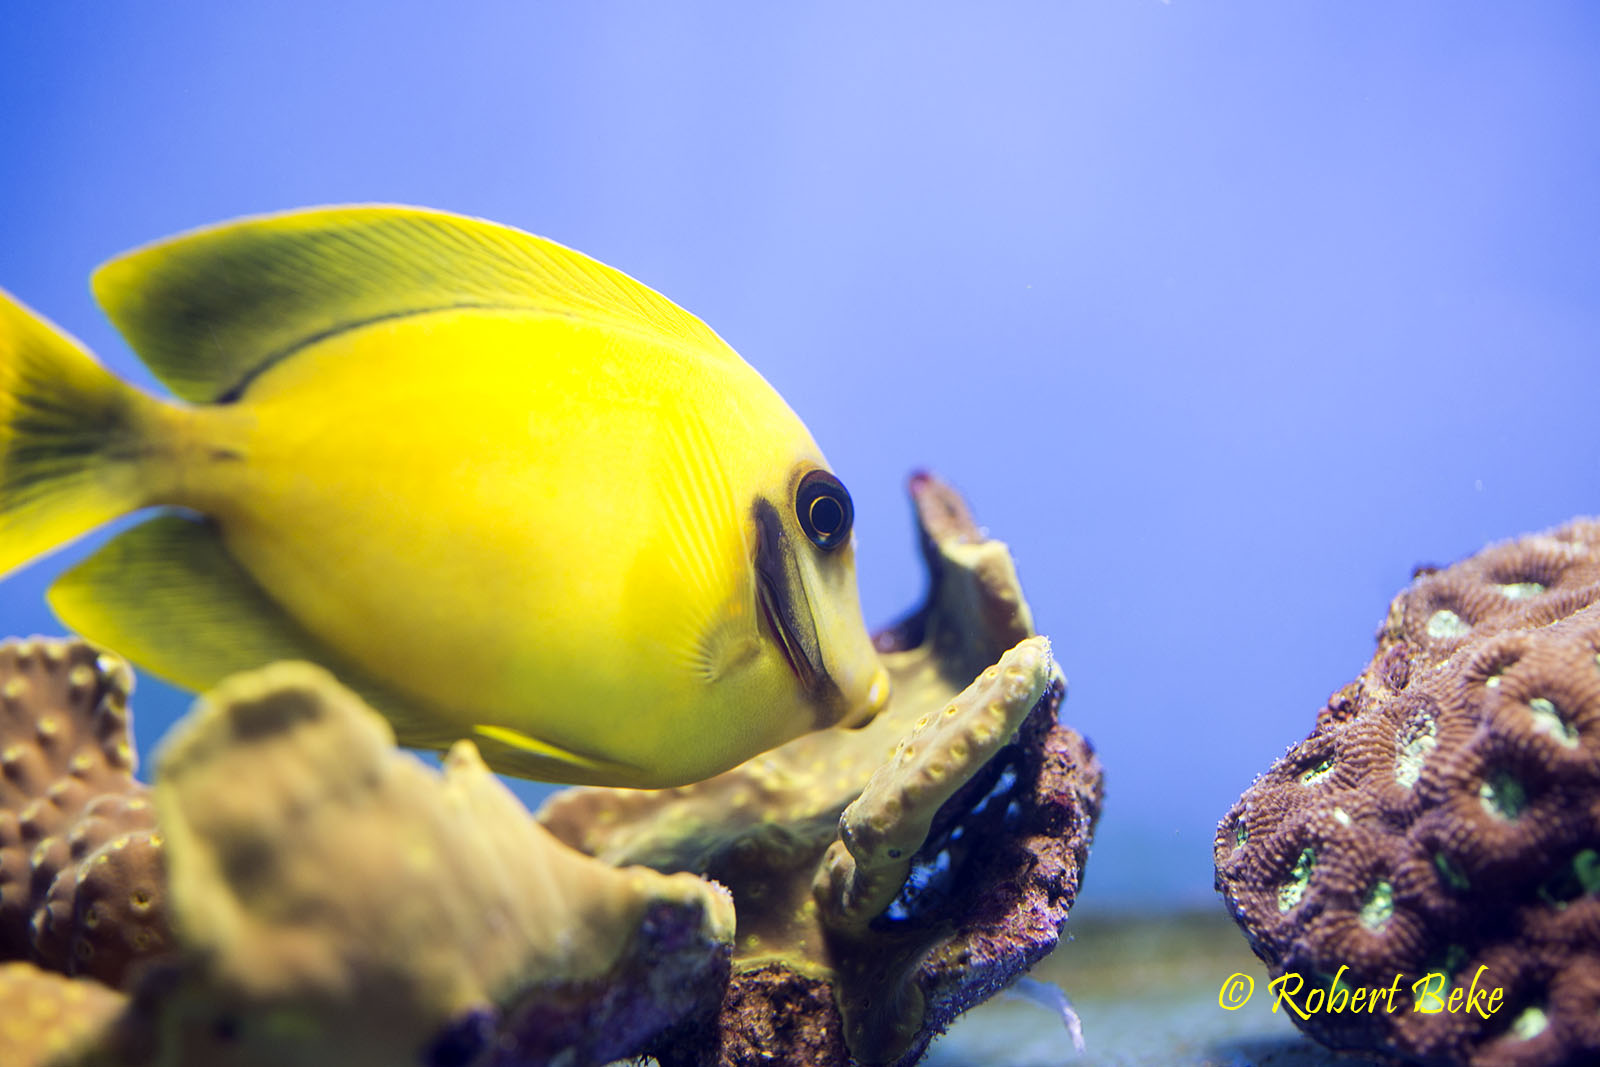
<point>70,438</point>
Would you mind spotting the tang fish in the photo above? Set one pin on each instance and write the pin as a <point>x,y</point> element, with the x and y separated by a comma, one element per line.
<point>505,491</point>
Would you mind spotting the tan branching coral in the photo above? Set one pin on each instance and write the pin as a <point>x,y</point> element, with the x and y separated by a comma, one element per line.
<point>884,828</point>
<point>1444,818</point>
<point>960,850</point>
<point>81,882</point>
<point>337,902</point>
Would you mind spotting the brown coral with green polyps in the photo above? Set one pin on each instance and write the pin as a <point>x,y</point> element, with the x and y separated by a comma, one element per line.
<point>1444,818</point>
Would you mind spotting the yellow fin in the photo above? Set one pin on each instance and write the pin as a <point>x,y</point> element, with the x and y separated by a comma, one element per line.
<point>69,440</point>
<point>167,595</point>
<point>531,757</point>
<point>704,543</point>
<point>209,310</point>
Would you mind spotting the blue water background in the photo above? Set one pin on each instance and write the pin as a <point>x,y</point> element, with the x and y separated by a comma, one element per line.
<point>1224,316</point>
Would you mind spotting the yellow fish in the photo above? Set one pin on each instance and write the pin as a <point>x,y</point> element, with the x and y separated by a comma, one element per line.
<point>506,491</point>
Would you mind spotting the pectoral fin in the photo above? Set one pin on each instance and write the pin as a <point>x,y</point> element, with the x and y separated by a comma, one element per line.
<point>701,548</point>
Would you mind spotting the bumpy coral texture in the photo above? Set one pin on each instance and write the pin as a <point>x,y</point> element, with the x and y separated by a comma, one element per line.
<point>82,890</point>
<point>1444,816</point>
<point>887,878</point>
<point>45,1016</point>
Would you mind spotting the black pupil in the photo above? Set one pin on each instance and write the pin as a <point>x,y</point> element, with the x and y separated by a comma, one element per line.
<point>822,505</point>
<point>826,516</point>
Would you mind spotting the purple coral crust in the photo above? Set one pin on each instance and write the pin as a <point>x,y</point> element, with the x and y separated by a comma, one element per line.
<point>769,1014</point>
<point>1032,862</point>
<point>667,982</point>
<point>82,886</point>
<point>1444,815</point>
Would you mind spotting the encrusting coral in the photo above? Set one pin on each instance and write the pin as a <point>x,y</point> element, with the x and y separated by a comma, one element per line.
<point>887,825</point>
<point>966,814</point>
<point>1442,822</point>
<point>81,883</point>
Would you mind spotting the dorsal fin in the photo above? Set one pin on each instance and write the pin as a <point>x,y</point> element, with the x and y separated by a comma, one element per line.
<point>209,310</point>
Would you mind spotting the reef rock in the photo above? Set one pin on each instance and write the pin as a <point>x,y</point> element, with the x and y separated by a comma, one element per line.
<point>1442,822</point>
<point>885,878</point>
<point>82,890</point>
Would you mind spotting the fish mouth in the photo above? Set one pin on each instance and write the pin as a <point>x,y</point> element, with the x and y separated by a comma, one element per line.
<point>785,607</point>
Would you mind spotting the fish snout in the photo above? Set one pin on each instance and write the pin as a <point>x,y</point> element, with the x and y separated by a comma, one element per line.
<point>876,699</point>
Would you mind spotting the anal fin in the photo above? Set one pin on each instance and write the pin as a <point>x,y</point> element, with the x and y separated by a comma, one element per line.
<point>514,752</point>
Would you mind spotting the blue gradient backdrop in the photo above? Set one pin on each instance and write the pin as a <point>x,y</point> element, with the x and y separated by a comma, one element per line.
<point>1223,315</point>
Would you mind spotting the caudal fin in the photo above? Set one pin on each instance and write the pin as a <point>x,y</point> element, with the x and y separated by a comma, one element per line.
<point>69,438</point>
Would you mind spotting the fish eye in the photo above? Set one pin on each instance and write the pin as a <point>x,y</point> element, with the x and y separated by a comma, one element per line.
<point>823,507</point>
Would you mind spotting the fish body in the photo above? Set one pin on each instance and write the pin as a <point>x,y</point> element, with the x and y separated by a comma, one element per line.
<point>508,492</point>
